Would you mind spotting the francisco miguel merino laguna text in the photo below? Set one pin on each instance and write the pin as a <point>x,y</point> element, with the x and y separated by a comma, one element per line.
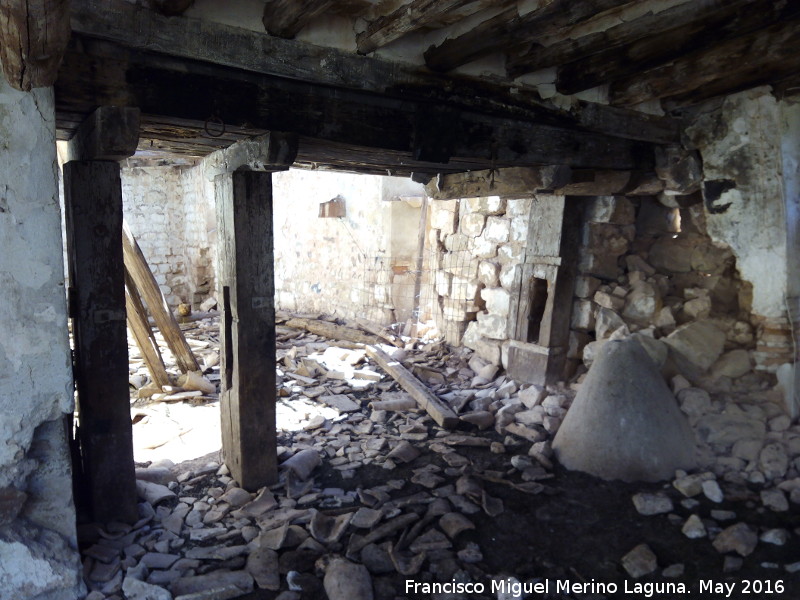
<point>514,587</point>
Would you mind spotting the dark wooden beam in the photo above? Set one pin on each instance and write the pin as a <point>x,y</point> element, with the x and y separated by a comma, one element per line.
<point>509,29</point>
<point>651,48</point>
<point>285,18</point>
<point>767,55</point>
<point>274,151</point>
<point>247,327</point>
<point>93,206</point>
<point>93,218</point>
<point>182,37</point>
<point>413,16</point>
<point>109,133</point>
<point>194,92</point>
<point>33,35</point>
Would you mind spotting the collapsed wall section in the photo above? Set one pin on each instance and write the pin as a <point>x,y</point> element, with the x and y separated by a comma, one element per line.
<point>739,140</point>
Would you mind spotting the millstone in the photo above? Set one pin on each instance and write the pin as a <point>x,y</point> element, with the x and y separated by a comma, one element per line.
<point>625,423</point>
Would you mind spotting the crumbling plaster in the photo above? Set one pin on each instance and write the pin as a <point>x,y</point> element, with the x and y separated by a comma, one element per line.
<point>739,141</point>
<point>37,528</point>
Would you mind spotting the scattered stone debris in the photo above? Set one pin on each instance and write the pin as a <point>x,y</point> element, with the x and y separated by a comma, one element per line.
<point>201,536</point>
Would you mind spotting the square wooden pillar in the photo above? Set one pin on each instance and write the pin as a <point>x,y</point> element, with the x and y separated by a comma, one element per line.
<point>93,201</point>
<point>247,326</point>
<point>93,214</point>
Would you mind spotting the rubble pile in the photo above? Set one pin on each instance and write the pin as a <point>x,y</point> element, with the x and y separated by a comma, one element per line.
<point>373,492</point>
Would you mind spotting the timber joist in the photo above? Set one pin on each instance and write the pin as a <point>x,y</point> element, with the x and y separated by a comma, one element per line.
<point>201,86</point>
<point>188,105</point>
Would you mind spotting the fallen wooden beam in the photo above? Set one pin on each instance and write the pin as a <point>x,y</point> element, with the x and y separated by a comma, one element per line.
<point>145,282</point>
<point>380,331</point>
<point>140,327</point>
<point>439,412</point>
<point>332,331</point>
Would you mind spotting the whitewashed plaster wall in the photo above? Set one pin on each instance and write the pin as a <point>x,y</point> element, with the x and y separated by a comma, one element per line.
<point>38,550</point>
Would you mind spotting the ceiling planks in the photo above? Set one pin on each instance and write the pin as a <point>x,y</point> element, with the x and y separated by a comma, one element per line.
<point>733,65</point>
<point>285,18</point>
<point>510,29</point>
<point>531,56</point>
<point>413,16</point>
<point>652,48</point>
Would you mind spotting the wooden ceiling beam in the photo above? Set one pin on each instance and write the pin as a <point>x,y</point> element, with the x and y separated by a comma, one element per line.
<point>413,16</point>
<point>510,29</point>
<point>213,98</point>
<point>33,35</point>
<point>755,59</point>
<point>721,21</point>
<point>138,28</point>
<point>285,18</point>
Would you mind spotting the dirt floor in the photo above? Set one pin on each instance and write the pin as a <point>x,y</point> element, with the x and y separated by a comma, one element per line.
<point>580,528</point>
<point>573,533</point>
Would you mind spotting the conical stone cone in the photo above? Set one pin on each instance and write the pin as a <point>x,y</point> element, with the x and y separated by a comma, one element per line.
<point>625,423</point>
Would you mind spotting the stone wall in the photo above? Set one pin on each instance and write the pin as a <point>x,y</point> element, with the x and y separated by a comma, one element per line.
<point>170,210</point>
<point>643,268</point>
<point>353,266</point>
<point>479,244</point>
<point>360,265</point>
<point>38,544</point>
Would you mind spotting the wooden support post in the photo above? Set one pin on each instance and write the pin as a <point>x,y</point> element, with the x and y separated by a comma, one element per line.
<point>247,326</point>
<point>93,201</point>
<point>93,214</point>
<point>543,310</point>
<point>422,230</point>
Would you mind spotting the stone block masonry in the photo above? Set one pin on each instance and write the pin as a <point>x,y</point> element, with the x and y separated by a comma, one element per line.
<point>478,245</point>
<point>171,212</point>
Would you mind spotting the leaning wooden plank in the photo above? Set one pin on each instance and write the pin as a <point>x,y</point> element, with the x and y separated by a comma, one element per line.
<point>332,330</point>
<point>146,284</point>
<point>140,327</point>
<point>440,412</point>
